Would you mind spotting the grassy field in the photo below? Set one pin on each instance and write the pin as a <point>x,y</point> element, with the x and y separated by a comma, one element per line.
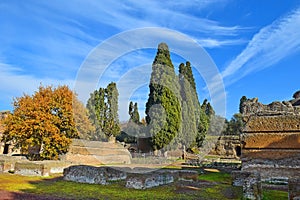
<point>213,185</point>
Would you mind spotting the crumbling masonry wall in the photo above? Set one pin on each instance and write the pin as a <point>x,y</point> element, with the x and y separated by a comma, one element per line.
<point>271,139</point>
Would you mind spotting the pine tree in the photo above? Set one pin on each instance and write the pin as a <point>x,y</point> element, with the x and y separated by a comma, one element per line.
<point>164,121</point>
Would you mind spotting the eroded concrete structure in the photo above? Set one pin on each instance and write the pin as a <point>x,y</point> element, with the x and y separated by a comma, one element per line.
<point>271,139</point>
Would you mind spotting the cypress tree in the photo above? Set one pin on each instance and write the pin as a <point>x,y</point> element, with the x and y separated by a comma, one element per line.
<point>163,110</point>
<point>111,124</point>
<point>242,100</point>
<point>103,112</point>
<point>97,113</point>
<point>134,113</point>
<point>202,113</point>
<point>188,133</point>
<point>130,109</point>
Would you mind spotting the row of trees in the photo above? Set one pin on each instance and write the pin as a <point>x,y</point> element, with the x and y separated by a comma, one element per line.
<point>52,116</point>
<point>173,112</point>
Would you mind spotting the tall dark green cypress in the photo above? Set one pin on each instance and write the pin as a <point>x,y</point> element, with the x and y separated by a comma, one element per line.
<point>134,113</point>
<point>188,132</point>
<point>192,111</point>
<point>111,124</point>
<point>103,112</point>
<point>163,110</point>
<point>97,113</point>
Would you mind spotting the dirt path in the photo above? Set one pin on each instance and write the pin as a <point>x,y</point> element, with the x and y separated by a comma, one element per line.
<point>7,195</point>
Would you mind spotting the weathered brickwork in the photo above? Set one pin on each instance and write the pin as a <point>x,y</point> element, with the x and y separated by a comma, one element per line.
<point>271,139</point>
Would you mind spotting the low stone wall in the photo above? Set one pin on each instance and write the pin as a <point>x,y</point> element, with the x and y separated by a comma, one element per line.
<point>93,175</point>
<point>39,168</point>
<point>104,175</point>
<point>7,163</point>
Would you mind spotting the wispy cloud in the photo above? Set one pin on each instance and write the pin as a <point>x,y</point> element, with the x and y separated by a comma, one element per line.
<point>14,83</point>
<point>216,43</point>
<point>270,45</point>
<point>47,41</point>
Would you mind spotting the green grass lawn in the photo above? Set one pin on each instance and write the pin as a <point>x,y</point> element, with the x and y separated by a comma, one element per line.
<point>216,185</point>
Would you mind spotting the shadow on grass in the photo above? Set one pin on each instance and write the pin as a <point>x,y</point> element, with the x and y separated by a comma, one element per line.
<point>57,188</point>
<point>210,185</point>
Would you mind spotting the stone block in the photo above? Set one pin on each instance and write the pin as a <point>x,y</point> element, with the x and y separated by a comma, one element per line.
<point>28,168</point>
<point>149,180</point>
<point>93,175</point>
<point>6,165</point>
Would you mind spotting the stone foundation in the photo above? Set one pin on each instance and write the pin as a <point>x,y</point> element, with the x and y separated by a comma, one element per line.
<point>104,175</point>
<point>93,175</point>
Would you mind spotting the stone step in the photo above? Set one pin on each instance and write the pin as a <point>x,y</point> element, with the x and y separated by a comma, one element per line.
<point>98,151</point>
<point>97,160</point>
<point>95,144</point>
<point>95,152</point>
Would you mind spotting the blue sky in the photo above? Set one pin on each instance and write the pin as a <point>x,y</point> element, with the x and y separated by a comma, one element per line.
<point>254,44</point>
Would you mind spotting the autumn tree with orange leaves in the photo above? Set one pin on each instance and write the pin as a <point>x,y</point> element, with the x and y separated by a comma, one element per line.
<point>44,119</point>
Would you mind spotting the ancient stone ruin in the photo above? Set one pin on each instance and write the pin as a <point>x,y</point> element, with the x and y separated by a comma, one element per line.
<point>81,152</point>
<point>271,139</point>
<point>227,146</point>
<point>132,179</point>
<point>95,153</point>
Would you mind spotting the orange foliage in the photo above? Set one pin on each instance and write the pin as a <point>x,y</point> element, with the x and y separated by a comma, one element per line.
<point>44,119</point>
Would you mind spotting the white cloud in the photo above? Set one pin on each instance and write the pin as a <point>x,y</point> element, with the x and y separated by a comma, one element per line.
<point>270,45</point>
<point>216,43</point>
<point>14,83</point>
